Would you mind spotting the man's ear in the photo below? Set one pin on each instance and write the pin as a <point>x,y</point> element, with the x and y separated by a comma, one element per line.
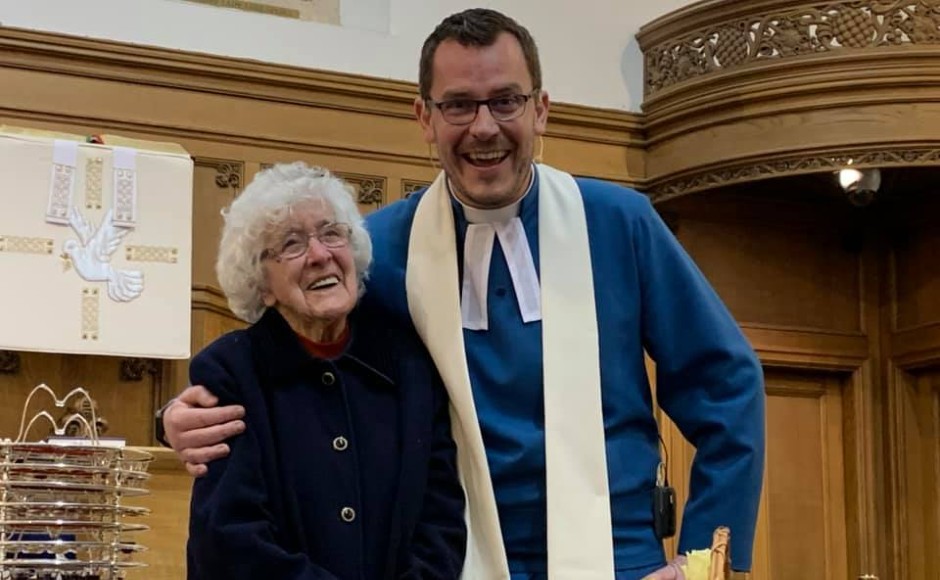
<point>423,114</point>
<point>541,111</point>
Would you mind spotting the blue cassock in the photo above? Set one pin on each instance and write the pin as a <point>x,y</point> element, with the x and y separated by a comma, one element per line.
<point>649,295</point>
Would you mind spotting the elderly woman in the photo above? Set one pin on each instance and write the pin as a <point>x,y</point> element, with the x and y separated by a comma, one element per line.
<point>346,468</point>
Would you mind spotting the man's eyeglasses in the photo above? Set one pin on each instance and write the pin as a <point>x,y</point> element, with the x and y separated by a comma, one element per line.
<point>464,111</point>
<point>295,244</point>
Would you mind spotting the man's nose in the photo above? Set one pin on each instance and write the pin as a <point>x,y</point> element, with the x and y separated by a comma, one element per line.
<point>484,125</point>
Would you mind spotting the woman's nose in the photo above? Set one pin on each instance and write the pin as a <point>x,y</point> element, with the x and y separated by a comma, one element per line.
<point>316,251</point>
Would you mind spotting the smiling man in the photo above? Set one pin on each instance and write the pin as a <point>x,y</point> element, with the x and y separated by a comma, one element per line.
<point>484,112</point>
<point>537,294</point>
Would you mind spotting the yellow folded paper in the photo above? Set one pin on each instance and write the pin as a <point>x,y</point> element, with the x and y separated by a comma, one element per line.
<point>697,565</point>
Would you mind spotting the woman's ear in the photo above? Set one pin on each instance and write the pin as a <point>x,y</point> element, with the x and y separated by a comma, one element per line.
<point>267,297</point>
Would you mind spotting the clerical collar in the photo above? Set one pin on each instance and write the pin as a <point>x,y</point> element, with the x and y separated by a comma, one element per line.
<point>485,226</point>
<point>475,215</point>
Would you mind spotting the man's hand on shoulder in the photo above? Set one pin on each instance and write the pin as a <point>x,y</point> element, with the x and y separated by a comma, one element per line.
<point>196,427</point>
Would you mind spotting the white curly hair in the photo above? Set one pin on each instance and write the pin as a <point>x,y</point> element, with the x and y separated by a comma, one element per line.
<point>264,206</point>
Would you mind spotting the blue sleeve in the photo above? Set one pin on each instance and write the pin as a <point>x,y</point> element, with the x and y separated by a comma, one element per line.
<point>710,383</point>
<point>232,533</point>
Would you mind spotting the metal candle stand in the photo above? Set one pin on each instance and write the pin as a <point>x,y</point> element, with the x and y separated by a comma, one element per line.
<point>61,512</point>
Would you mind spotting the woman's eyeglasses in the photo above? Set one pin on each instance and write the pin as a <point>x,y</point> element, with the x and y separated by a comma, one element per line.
<point>295,244</point>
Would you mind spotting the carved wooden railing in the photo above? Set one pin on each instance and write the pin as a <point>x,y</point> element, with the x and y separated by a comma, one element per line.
<point>792,29</point>
<point>742,91</point>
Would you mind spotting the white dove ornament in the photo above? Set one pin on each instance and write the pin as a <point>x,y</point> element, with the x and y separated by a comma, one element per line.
<point>91,256</point>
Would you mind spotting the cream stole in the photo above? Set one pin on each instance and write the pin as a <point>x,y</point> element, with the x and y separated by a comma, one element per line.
<point>580,539</point>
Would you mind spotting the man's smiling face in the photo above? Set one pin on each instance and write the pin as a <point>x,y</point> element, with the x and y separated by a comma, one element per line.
<point>487,161</point>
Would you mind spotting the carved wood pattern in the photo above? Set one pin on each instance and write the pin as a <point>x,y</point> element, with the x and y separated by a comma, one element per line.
<point>9,362</point>
<point>744,172</point>
<point>229,175</point>
<point>812,28</point>
<point>409,186</point>
<point>370,189</point>
<point>133,369</point>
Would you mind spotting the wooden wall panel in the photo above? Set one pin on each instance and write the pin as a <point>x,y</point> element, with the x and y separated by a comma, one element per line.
<point>224,117</point>
<point>774,263</point>
<point>914,477</point>
<point>216,182</point>
<point>913,305</point>
<point>912,384</point>
<point>918,284</point>
<point>799,268</point>
<point>170,488</point>
<point>804,493</point>
<point>212,325</point>
<point>916,271</point>
<point>801,531</point>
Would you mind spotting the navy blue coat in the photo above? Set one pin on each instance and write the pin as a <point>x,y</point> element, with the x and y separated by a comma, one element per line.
<point>346,468</point>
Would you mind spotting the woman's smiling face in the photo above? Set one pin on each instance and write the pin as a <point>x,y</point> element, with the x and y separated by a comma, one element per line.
<point>316,290</point>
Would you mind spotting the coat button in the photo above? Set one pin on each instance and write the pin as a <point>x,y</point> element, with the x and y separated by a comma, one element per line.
<point>328,378</point>
<point>340,443</point>
<point>347,514</point>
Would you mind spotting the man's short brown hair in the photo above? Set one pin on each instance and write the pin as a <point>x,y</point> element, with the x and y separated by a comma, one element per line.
<point>476,27</point>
